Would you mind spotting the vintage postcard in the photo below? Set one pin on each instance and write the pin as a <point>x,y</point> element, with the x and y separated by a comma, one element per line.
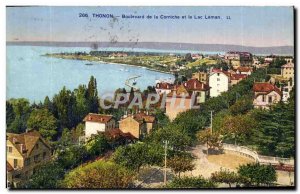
<point>150,97</point>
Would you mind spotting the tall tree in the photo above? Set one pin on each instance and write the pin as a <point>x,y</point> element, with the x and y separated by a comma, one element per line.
<point>44,122</point>
<point>21,109</point>
<point>92,95</point>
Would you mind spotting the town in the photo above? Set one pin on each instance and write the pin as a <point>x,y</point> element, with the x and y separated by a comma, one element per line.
<point>227,120</point>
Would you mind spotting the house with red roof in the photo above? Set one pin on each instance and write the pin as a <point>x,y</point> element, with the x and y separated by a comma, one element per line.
<point>95,123</point>
<point>200,89</point>
<point>265,95</point>
<point>244,70</point>
<point>163,88</point>
<point>236,78</point>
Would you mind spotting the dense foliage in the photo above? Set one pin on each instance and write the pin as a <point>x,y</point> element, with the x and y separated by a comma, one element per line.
<point>257,174</point>
<point>99,174</point>
<point>190,182</point>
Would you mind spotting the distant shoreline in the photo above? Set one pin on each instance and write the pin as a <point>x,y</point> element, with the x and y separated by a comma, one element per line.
<point>278,50</point>
<point>104,62</point>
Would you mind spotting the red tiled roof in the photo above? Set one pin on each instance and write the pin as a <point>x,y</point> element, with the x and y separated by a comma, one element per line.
<point>99,118</point>
<point>238,76</point>
<point>265,87</point>
<point>194,84</point>
<point>142,117</point>
<point>214,70</point>
<point>164,85</point>
<point>147,118</point>
<point>244,69</point>
<point>288,65</point>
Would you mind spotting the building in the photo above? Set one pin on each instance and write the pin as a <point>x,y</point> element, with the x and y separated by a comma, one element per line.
<point>179,100</point>
<point>237,58</point>
<point>269,59</point>
<point>197,56</point>
<point>286,91</point>
<point>219,81</point>
<point>95,123</point>
<point>24,153</point>
<point>289,59</point>
<point>201,76</point>
<point>244,70</point>
<point>236,78</point>
<point>287,71</point>
<point>265,95</point>
<point>137,124</point>
<point>199,89</point>
<point>163,87</point>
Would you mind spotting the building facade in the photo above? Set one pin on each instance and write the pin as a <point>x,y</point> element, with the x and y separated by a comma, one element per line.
<point>219,81</point>
<point>265,95</point>
<point>95,123</point>
<point>133,125</point>
<point>287,71</point>
<point>25,152</point>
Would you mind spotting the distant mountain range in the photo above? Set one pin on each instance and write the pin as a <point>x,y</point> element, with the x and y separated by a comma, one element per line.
<point>279,50</point>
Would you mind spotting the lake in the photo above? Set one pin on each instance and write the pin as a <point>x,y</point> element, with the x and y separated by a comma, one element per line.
<point>32,76</point>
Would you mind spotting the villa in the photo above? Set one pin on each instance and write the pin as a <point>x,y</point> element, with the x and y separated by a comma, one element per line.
<point>95,123</point>
<point>265,95</point>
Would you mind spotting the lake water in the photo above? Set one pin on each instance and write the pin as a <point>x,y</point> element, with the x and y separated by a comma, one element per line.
<point>32,76</point>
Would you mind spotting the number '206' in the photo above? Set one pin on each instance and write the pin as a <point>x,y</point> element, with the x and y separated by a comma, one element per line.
<point>83,15</point>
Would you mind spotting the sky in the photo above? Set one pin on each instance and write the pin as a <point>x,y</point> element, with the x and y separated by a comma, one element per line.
<point>247,26</point>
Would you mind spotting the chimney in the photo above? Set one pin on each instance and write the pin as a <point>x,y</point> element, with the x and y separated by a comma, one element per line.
<point>90,118</point>
<point>195,85</point>
<point>147,112</point>
<point>15,140</point>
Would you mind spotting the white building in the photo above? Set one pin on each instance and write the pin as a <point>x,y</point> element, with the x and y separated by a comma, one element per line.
<point>218,82</point>
<point>163,87</point>
<point>95,123</point>
<point>286,91</point>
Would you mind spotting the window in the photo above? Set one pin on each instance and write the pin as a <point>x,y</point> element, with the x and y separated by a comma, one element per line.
<point>44,155</point>
<point>36,157</point>
<point>263,98</point>
<point>15,163</point>
<point>27,161</point>
<point>37,146</point>
<point>9,149</point>
<point>218,79</point>
<point>270,99</point>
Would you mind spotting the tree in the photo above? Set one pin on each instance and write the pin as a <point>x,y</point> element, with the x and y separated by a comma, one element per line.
<point>21,111</point>
<point>97,146</point>
<point>71,156</point>
<point>92,95</point>
<point>178,139</point>
<point>238,126</point>
<point>10,115</point>
<point>181,164</point>
<point>258,174</point>
<point>190,182</point>
<point>242,106</point>
<point>99,174</point>
<point>46,176</point>
<point>212,140</point>
<point>225,176</point>
<point>44,122</point>
<point>64,108</point>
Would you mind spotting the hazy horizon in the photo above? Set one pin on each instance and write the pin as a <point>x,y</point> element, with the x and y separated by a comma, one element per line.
<point>248,26</point>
